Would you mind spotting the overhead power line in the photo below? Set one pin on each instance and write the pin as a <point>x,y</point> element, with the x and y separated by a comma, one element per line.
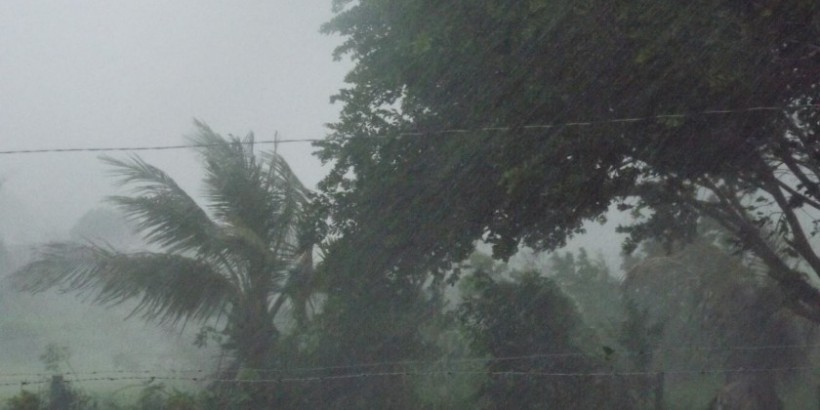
<point>276,141</point>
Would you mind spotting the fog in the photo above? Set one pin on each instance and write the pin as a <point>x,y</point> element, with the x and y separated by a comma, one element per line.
<point>125,74</point>
<point>97,74</point>
<point>130,74</point>
<point>391,303</point>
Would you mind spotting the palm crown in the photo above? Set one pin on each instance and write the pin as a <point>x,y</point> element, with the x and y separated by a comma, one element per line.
<point>240,257</point>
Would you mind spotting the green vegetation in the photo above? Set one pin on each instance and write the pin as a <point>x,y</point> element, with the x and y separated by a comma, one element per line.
<point>457,126</point>
<point>460,130</point>
<point>242,263</point>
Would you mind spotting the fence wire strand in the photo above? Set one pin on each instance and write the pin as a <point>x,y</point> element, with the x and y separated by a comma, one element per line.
<point>410,373</point>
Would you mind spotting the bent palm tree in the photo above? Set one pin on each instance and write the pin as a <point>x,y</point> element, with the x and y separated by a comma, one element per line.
<point>238,259</point>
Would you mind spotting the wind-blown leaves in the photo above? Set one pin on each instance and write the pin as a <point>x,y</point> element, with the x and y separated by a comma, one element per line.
<point>168,287</point>
<point>529,118</point>
<point>238,256</point>
<point>165,213</point>
<point>292,198</point>
<point>261,199</point>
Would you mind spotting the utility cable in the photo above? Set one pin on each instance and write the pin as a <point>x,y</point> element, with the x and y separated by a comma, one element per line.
<point>277,141</point>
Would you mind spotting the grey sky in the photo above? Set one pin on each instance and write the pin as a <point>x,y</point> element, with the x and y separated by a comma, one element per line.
<point>128,73</point>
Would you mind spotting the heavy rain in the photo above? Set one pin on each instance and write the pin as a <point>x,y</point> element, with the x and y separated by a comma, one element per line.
<point>384,204</point>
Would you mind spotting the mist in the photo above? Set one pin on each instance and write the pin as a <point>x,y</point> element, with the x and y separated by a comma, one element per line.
<point>402,204</point>
<point>126,75</point>
<point>101,74</point>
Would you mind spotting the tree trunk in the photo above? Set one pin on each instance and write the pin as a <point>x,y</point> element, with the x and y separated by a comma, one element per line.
<point>747,394</point>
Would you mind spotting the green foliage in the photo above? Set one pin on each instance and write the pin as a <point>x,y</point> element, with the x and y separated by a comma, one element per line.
<point>536,304</point>
<point>439,143</point>
<point>641,334</point>
<point>701,295</point>
<point>25,400</point>
<point>704,295</point>
<point>594,290</point>
<point>460,124</point>
<point>60,396</point>
<point>454,378</point>
<point>530,329</point>
<point>239,258</point>
<point>159,397</point>
<point>151,397</point>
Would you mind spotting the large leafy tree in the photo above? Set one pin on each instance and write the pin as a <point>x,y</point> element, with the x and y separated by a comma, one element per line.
<point>701,295</point>
<point>460,123</point>
<point>531,331</point>
<point>589,283</point>
<point>239,258</point>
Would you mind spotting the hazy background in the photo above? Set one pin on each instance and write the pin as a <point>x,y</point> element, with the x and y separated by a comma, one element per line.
<point>116,73</point>
<point>99,73</point>
<point>112,73</point>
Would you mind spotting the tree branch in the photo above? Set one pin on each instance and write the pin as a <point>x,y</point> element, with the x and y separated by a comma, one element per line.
<point>812,188</point>
<point>804,198</point>
<point>799,242</point>
<point>802,298</point>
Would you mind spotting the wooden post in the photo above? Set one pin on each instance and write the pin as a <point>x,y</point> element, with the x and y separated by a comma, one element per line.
<point>818,395</point>
<point>659,382</point>
<point>58,399</point>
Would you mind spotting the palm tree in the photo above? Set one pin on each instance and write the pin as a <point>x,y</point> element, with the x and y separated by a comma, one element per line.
<point>239,259</point>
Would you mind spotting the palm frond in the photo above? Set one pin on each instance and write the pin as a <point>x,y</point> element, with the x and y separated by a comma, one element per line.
<point>270,262</point>
<point>167,287</point>
<point>162,211</point>
<point>254,243</point>
<point>261,198</point>
<point>291,198</point>
<point>233,182</point>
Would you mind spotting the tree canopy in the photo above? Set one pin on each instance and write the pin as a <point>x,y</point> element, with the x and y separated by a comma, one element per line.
<point>532,318</point>
<point>239,258</point>
<point>515,122</point>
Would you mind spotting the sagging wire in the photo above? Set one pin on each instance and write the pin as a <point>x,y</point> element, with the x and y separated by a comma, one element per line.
<point>276,141</point>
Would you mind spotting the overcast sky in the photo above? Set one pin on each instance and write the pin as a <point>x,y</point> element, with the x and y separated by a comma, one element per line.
<point>83,73</point>
<point>129,73</point>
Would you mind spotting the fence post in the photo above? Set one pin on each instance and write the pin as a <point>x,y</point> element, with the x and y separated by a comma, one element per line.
<point>58,394</point>
<point>818,395</point>
<point>659,382</point>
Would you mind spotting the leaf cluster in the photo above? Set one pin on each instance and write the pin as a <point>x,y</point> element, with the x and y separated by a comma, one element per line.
<point>236,258</point>
<point>513,123</point>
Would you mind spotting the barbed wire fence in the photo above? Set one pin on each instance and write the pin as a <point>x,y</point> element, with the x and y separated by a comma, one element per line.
<point>406,368</point>
<point>46,378</point>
